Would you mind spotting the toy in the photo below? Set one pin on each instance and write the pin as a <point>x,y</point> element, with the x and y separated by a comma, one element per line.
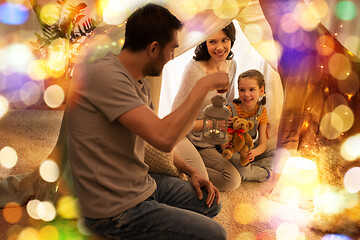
<point>240,139</point>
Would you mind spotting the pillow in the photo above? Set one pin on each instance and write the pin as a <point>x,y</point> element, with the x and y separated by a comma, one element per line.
<point>161,162</point>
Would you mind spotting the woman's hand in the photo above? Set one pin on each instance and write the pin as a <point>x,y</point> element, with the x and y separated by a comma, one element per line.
<point>198,181</point>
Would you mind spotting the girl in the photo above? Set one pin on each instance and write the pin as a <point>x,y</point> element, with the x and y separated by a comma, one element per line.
<point>212,55</point>
<point>250,105</point>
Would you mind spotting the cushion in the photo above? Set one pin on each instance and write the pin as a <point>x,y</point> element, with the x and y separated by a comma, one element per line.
<point>161,162</point>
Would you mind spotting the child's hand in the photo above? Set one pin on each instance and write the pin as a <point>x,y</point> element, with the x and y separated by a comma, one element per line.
<point>250,156</point>
<point>230,122</point>
<point>252,153</point>
<point>226,145</point>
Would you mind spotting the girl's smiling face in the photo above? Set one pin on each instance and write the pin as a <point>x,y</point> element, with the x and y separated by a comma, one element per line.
<point>219,46</point>
<point>249,93</point>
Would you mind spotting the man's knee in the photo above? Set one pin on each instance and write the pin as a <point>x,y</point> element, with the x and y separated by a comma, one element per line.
<point>217,232</point>
<point>214,209</point>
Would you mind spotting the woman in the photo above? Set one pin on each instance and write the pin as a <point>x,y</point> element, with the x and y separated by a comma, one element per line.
<point>212,55</point>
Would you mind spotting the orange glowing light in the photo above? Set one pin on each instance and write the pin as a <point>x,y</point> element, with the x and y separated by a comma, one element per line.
<point>12,212</point>
<point>349,96</point>
<point>325,45</point>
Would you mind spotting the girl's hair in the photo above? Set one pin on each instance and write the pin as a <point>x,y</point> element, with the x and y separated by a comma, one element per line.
<point>260,81</point>
<point>201,51</point>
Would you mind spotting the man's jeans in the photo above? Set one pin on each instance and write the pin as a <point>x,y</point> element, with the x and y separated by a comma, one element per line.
<point>172,212</point>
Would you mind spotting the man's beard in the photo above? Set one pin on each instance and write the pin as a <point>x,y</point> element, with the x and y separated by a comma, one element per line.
<point>154,68</point>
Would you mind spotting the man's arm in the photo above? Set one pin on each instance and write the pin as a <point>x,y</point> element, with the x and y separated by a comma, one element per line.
<point>165,133</point>
<point>197,180</point>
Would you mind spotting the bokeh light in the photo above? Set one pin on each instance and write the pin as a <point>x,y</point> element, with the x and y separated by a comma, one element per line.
<point>4,106</point>
<point>58,52</point>
<point>245,214</point>
<point>192,37</point>
<point>67,207</point>
<point>245,236</point>
<point>46,211</point>
<point>298,180</point>
<point>339,66</point>
<point>290,212</point>
<point>54,96</point>
<point>28,233</point>
<point>264,236</point>
<point>30,93</point>
<point>96,48</point>
<point>12,212</point>
<point>352,180</point>
<point>352,43</point>
<point>205,4</point>
<point>335,237</point>
<point>116,11</point>
<point>288,23</point>
<point>31,208</point>
<point>186,9</point>
<point>37,70</point>
<point>49,14</point>
<point>8,157</point>
<point>48,233</point>
<point>49,170</point>
<point>228,9</point>
<point>346,10</point>
<point>350,149</point>
<point>346,115</point>
<point>13,14</point>
<point>253,32</point>
<point>270,50</point>
<point>41,210</point>
<point>287,231</point>
<point>289,193</point>
<point>214,4</point>
<point>351,85</point>
<point>319,8</point>
<point>330,201</point>
<point>304,17</point>
<point>10,60</point>
<point>293,40</point>
<point>325,45</point>
<point>331,125</point>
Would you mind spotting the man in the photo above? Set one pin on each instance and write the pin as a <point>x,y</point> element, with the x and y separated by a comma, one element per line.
<point>110,118</point>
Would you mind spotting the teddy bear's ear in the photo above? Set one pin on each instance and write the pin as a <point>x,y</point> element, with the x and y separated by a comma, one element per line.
<point>251,124</point>
<point>234,119</point>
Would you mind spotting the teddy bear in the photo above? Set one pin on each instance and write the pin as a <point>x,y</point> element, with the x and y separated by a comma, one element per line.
<point>240,138</point>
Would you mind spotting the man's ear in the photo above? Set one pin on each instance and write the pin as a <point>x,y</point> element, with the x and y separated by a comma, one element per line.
<point>154,49</point>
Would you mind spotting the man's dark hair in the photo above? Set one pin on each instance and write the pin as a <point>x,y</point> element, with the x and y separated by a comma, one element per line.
<point>148,24</point>
<point>201,51</point>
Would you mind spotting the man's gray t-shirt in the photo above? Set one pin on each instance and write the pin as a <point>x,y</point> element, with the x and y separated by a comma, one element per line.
<point>107,159</point>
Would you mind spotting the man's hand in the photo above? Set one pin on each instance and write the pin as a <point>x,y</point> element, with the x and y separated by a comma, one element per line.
<point>197,181</point>
<point>217,81</point>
